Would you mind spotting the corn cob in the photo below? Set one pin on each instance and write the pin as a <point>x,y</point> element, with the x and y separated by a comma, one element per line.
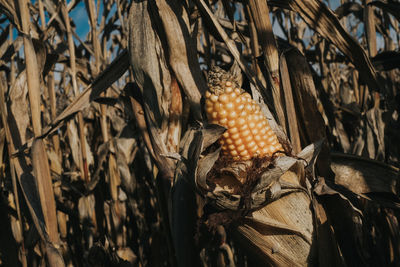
<point>248,132</point>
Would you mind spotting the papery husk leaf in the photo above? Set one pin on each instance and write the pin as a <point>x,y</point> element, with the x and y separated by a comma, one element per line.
<point>267,188</point>
<point>273,242</point>
<point>211,133</point>
<point>280,166</point>
<point>282,230</point>
<point>204,166</point>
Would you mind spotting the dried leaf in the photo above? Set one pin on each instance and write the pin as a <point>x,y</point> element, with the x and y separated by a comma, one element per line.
<point>19,107</point>
<point>391,7</point>
<point>182,56</point>
<point>45,187</point>
<point>362,175</point>
<point>319,17</point>
<point>386,60</point>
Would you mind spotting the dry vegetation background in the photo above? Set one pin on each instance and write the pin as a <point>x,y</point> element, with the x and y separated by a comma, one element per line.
<point>94,131</point>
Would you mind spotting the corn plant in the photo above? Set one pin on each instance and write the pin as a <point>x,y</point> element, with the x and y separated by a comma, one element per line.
<point>199,133</point>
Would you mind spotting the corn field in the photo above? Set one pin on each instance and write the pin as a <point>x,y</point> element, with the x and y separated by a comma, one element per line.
<point>199,133</point>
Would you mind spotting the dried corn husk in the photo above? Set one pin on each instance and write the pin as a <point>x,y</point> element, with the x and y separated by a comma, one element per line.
<point>275,216</point>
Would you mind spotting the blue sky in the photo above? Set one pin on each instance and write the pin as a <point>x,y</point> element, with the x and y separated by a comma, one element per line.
<point>79,16</point>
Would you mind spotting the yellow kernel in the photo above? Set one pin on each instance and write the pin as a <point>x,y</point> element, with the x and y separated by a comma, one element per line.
<point>238,100</point>
<point>214,98</point>
<point>228,90</point>
<point>244,127</point>
<point>233,95</point>
<point>241,121</point>
<point>246,158</point>
<point>214,115</point>
<point>247,95</point>
<point>244,153</point>
<point>263,131</point>
<point>238,142</point>
<point>261,144</point>
<point>251,144</point>
<point>266,150</point>
<point>224,98</point>
<point>233,130</point>
<point>234,153</point>
<point>225,134</point>
<point>270,134</point>
<point>222,142</point>
<point>248,138</point>
<point>240,107</point>
<point>252,125</point>
<point>237,91</point>
<point>208,94</point>
<point>257,138</point>
<point>241,148</point>
<point>229,141</point>
<point>231,123</point>
<point>229,105</point>
<point>273,143</point>
<point>231,147</point>
<point>222,114</point>
<point>232,115</point>
<point>254,150</point>
<point>218,106</point>
<point>235,136</point>
<point>245,133</point>
<point>243,113</point>
<point>209,109</point>
<point>254,131</point>
<point>228,83</point>
<point>223,121</point>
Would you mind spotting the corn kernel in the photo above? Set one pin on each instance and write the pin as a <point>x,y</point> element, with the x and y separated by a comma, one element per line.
<point>224,98</point>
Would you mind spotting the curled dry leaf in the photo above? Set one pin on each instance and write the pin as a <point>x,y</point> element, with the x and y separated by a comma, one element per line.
<point>238,173</point>
<point>362,176</point>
